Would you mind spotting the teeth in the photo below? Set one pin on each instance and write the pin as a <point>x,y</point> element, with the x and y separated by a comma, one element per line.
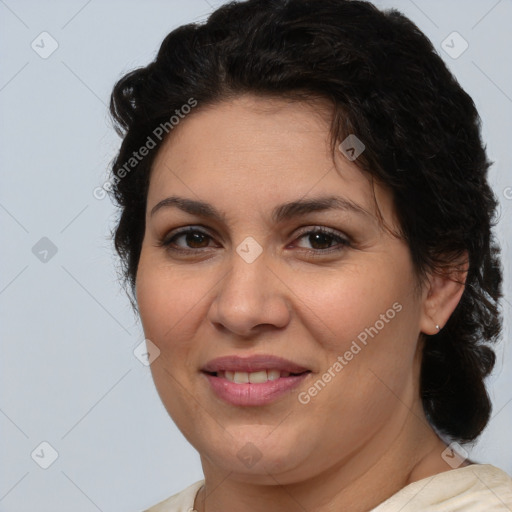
<point>252,377</point>
<point>241,377</point>
<point>273,374</point>
<point>258,377</point>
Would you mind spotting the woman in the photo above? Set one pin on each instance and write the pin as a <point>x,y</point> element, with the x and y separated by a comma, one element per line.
<point>305,224</point>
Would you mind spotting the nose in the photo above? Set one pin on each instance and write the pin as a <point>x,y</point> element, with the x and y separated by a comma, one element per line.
<point>250,298</point>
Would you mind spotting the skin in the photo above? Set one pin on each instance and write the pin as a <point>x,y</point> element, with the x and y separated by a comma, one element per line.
<point>364,436</point>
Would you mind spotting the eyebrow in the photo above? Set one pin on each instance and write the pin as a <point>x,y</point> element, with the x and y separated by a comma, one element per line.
<point>285,211</point>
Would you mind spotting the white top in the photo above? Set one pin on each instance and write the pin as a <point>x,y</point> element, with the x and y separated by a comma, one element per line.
<point>474,488</point>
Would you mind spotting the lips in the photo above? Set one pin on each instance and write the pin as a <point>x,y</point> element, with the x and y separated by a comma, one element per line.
<point>253,381</point>
<point>252,364</point>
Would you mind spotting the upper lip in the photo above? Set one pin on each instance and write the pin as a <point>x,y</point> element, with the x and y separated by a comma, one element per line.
<point>252,364</point>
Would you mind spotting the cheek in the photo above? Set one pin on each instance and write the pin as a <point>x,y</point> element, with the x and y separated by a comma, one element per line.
<point>168,303</point>
<point>340,306</point>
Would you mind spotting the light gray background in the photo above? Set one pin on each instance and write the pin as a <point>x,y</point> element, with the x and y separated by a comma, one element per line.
<point>69,376</point>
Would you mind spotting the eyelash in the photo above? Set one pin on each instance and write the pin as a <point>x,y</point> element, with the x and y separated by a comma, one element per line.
<point>167,241</point>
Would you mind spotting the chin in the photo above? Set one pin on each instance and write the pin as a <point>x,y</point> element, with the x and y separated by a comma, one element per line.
<point>255,451</point>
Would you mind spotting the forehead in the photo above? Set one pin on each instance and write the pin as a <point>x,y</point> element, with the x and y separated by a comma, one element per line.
<point>272,150</point>
<point>248,125</point>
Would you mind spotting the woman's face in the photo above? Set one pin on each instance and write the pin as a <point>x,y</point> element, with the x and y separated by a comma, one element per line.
<point>287,280</point>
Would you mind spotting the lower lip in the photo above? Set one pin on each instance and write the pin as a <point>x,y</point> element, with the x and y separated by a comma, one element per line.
<point>253,394</point>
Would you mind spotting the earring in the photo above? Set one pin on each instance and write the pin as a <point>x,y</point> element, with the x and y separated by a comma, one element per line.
<point>438,328</point>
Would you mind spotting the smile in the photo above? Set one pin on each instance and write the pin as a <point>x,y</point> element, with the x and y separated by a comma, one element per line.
<point>253,381</point>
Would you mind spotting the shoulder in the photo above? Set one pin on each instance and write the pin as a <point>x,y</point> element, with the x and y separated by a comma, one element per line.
<point>472,488</point>
<point>180,502</point>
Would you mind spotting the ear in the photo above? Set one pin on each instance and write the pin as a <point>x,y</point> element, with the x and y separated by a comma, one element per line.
<point>442,293</point>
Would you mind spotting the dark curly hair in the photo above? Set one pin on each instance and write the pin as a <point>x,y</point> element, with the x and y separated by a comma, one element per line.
<point>388,86</point>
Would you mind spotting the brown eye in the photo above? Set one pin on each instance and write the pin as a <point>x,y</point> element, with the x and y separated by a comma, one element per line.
<point>196,239</point>
<point>193,239</point>
<point>323,240</point>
